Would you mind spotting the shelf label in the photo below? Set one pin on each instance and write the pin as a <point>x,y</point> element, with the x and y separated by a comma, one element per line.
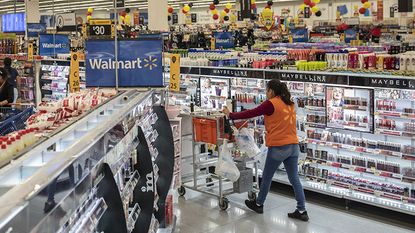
<point>30,51</point>
<point>174,72</point>
<point>74,80</point>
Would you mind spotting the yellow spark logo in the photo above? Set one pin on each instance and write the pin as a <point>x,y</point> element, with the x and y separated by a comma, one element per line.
<point>150,62</point>
<point>290,114</point>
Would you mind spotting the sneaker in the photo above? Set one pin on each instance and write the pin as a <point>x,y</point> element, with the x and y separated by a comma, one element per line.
<point>301,216</point>
<point>254,206</point>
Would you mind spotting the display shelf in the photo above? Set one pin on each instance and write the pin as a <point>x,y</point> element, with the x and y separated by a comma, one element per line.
<point>349,103</point>
<point>53,161</point>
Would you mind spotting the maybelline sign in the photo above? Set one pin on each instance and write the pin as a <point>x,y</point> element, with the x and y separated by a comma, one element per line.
<point>139,63</point>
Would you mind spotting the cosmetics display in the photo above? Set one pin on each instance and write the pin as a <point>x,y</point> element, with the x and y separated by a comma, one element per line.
<point>54,78</point>
<point>214,92</point>
<point>360,134</point>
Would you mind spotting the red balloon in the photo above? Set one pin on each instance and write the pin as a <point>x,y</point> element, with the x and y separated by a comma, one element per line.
<point>363,1</point>
<point>170,10</point>
<point>312,4</point>
<point>212,7</point>
<point>267,6</point>
<point>362,10</point>
<point>307,2</point>
<point>226,10</point>
<point>215,16</point>
<point>123,13</point>
<point>253,6</point>
<point>88,13</point>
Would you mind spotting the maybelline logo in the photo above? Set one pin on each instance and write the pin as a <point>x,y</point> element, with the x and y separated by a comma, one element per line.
<point>235,73</point>
<point>304,77</point>
<point>392,83</point>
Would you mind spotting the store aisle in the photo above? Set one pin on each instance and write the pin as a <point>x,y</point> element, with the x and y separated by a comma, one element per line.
<point>198,213</point>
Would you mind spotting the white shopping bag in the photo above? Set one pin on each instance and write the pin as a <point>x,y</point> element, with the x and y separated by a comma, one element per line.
<point>261,158</point>
<point>226,167</point>
<point>246,142</point>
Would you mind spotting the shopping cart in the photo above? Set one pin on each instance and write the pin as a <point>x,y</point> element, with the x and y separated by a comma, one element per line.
<point>209,131</point>
<point>13,117</point>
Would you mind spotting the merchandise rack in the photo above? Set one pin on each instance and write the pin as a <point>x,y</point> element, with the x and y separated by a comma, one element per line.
<point>92,171</point>
<point>375,83</point>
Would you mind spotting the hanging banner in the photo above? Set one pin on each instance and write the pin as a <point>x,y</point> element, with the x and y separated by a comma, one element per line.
<point>267,18</point>
<point>34,29</point>
<point>74,80</point>
<point>349,35</point>
<point>224,40</point>
<point>139,63</point>
<point>299,35</point>
<point>174,72</point>
<point>52,44</point>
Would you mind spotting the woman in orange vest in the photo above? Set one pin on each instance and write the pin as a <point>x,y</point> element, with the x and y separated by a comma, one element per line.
<point>282,142</point>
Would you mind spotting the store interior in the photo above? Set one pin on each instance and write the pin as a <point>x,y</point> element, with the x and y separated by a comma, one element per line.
<point>113,115</point>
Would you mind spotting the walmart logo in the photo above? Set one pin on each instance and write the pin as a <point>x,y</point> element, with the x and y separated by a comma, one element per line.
<point>108,64</point>
<point>150,62</point>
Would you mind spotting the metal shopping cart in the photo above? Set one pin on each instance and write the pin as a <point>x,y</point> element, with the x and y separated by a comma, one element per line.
<point>209,131</point>
<point>13,117</point>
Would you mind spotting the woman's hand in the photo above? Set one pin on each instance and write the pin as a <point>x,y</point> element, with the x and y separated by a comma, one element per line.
<point>226,111</point>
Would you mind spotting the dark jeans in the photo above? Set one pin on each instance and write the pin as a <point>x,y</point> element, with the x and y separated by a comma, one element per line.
<point>289,156</point>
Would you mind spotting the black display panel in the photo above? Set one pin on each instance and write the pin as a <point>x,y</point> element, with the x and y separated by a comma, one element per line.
<point>405,5</point>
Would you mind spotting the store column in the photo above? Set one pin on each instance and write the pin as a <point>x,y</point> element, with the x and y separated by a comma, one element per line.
<point>157,15</point>
<point>32,11</point>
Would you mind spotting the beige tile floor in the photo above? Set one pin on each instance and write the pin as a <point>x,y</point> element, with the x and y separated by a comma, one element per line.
<point>199,213</point>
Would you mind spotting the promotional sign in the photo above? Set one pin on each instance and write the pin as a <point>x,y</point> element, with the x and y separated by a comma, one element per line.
<point>66,22</point>
<point>175,18</point>
<point>52,44</point>
<point>307,12</point>
<point>34,29</point>
<point>392,12</point>
<point>224,40</point>
<point>212,43</point>
<point>139,63</point>
<point>100,28</point>
<point>175,72</point>
<point>267,18</point>
<point>13,22</point>
<point>349,35</point>
<point>74,80</point>
<point>193,17</point>
<point>299,35</point>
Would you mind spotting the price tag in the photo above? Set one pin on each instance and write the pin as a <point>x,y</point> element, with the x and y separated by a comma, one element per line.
<point>212,43</point>
<point>100,30</point>
<point>175,72</point>
<point>74,80</point>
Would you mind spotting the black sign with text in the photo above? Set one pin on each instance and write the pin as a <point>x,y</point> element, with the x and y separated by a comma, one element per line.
<point>100,30</point>
<point>194,17</point>
<point>304,77</point>
<point>240,73</point>
<point>120,3</point>
<point>398,83</point>
<point>175,17</point>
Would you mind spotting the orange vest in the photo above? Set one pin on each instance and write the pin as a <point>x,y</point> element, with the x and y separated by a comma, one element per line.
<point>281,125</point>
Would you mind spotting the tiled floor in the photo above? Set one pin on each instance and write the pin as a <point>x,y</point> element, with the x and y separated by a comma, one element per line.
<point>198,213</point>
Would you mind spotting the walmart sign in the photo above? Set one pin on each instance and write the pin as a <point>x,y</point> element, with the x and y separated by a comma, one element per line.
<point>139,63</point>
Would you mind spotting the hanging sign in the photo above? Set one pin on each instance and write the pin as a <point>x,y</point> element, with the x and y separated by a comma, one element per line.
<point>224,40</point>
<point>74,80</point>
<point>267,18</point>
<point>66,22</point>
<point>52,44</point>
<point>139,63</point>
<point>175,72</point>
<point>34,29</point>
<point>212,43</point>
<point>299,35</point>
<point>349,35</point>
<point>120,3</point>
<point>193,17</point>
<point>307,12</point>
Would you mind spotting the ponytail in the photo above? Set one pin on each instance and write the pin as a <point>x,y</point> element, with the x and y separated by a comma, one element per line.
<point>280,89</point>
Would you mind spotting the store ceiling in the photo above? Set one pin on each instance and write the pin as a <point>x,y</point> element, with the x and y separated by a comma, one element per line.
<point>49,6</point>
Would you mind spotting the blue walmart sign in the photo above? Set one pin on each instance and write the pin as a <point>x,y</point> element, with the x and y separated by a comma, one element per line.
<point>53,44</point>
<point>224,40</point>
<point>139,63</point>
